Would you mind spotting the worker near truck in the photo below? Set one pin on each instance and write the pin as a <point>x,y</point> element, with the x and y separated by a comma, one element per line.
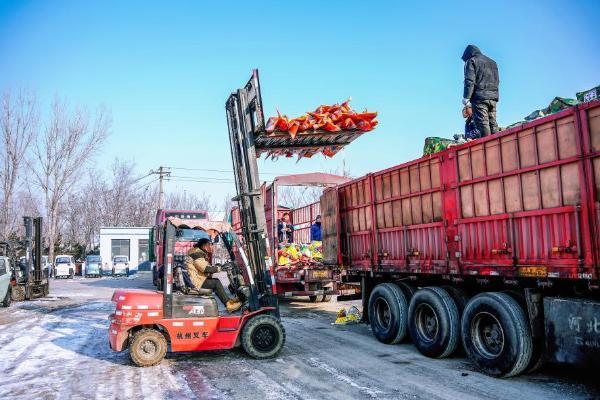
<point>285,230</point>
<point>200,272</point>
<point>481,89</point>
<point>315,230</point>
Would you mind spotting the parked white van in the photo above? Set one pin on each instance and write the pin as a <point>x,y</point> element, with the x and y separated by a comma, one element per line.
<point>120,265</point>
<point>64,266</point>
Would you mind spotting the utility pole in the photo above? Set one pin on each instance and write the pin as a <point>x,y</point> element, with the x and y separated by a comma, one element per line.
<point>162,172</point>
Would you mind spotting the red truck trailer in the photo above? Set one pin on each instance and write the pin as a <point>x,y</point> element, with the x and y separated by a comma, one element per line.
<point>318,281</point>
<point>494,243</point>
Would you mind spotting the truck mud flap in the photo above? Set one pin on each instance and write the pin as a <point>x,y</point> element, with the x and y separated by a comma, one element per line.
<point>572,331</point>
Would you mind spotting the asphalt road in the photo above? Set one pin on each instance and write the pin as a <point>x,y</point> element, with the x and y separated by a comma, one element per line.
<point>57,348</point>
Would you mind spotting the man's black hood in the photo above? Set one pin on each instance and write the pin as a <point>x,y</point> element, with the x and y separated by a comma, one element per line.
<point>470,51</point>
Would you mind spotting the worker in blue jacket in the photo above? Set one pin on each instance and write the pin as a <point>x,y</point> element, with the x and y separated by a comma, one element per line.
<point>315,229</point>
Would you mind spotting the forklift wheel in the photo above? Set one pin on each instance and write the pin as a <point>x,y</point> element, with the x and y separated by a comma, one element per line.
<point>148,347</point>
<point>315,299</point>
<point>326,298</point>
<point>263,336</point>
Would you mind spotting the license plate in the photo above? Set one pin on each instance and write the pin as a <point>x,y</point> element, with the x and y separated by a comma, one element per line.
<point>320,274</point>
<point>533,272</point>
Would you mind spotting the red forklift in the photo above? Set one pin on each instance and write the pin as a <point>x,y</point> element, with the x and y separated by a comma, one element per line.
<point>151,322</point>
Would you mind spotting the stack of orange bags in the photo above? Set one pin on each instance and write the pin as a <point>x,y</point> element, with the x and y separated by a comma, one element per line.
<point>335,118</point>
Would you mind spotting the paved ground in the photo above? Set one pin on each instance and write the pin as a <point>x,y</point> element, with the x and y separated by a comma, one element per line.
<point>57,349</point>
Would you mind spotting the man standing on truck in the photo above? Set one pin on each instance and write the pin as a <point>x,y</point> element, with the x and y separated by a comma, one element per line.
<point>481,89</point>
<point>315,230</point>
<point>285,229</point>
<point>199,269</point>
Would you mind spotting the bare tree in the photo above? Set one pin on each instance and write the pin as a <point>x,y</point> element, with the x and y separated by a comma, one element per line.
<point>298,196</point>
<point>19,124</point>
<point>188,201</point>
<point>227,206</point>
<point>69,141</point>
<point>120,196</point>
<point>144,209</point>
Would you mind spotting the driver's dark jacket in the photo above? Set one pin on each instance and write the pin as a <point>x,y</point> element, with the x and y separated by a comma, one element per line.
<point>198,267</point>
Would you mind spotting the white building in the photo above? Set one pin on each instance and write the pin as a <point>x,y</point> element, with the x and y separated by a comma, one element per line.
<point>126,241</point>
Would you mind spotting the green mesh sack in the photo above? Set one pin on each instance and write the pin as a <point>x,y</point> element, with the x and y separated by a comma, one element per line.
<point>589,95</point>
<point>559,104</point>
<point>436,144</point>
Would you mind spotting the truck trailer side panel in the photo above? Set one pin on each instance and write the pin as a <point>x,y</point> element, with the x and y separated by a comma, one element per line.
<point>522,203</point>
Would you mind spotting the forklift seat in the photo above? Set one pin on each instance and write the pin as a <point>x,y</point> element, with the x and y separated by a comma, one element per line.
<point>185,285</point>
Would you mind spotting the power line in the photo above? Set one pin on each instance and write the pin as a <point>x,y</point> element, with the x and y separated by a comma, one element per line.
<point>199,181</point>
<point>200,177</point>
<point>229,171</point>
<point>162,173</point>
<point>145,184</point>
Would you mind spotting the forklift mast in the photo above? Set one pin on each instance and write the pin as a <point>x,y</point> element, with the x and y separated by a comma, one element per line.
<point>28,222</point>
<point>37,262</point>
<point>244,119</point>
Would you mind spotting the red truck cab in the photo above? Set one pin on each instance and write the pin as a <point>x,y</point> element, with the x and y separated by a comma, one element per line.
<point>181,247</point>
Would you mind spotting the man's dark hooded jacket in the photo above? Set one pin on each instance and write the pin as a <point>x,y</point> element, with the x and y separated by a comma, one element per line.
<point>481,75</point>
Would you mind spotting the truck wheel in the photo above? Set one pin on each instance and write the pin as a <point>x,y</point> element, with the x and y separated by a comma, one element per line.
<point>148,347</point>
<point>496,334</point>
<point>315,299</point>
<point>408,290</point>
<point>263,336</point>
<point>538,357</point>
<point>433,322</point>
<point>459,296</point>
<point>388,313</point>
<point>326,298</point>
<point>7,298</point>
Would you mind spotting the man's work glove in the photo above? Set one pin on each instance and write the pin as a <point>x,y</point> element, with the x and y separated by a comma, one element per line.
<point>212,269</point>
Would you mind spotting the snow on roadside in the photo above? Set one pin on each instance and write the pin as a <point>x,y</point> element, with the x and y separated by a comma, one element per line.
<point>63,353</point>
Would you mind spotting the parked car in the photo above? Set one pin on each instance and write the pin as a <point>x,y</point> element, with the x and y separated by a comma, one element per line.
<point>64,266</point>
<point>5,281</point>
<point>120,265</point>
<point>92,266</point>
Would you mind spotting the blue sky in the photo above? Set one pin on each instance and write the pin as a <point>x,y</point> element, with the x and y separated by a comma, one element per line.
<point>165,69</point>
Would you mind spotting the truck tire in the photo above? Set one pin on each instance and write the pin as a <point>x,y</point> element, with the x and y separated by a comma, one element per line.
<point>408,290</point>
<point>434,322</point>
<point>315,299</point>
<point>263,336</point>
<point>326,298</point>
<point>388,313</point>
<point>539,345</point>
<point>459,296</point>
<point>7,298</point>
<point>147,348</point>
<point>496,334</point>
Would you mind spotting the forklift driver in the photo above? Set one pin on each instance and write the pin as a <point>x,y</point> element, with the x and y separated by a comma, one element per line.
<point>200,272</point>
